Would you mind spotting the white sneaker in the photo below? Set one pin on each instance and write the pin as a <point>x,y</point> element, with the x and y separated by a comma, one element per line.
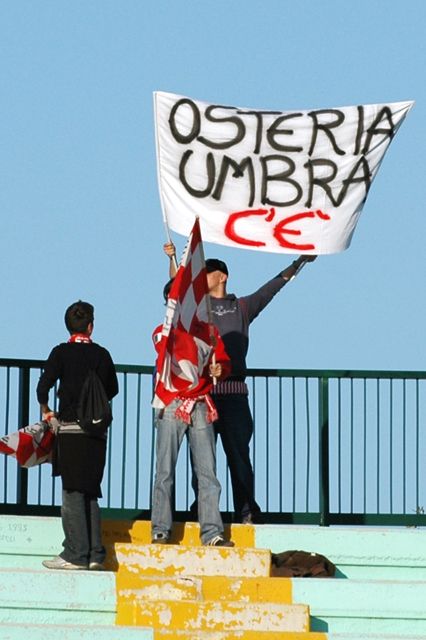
<point>60,563</point>
<point>160,538</point>
<point>219,541</point>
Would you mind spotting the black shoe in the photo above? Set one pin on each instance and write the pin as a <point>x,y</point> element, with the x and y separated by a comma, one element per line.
<point>193,512</point>
<point>252,518</point>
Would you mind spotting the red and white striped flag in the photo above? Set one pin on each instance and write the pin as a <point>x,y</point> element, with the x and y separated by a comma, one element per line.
<point>30,445</point>
<point>186,342</point>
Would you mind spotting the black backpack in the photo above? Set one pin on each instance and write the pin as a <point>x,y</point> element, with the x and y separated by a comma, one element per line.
<point>93,410</point>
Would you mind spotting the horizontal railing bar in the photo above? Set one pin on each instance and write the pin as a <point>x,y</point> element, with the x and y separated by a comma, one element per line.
<point>290,373</point>
<point>268,373</point>
<point>338,373</point>
<point>19,362</point>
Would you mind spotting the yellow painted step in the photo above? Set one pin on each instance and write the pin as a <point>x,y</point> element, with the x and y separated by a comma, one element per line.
<point>168,560</point>
<point>186,533</point>
<point>133,585</point>
<point>262,589</point>
<point>214,616</point>
<point>237,635</point>
<point>140,588</point>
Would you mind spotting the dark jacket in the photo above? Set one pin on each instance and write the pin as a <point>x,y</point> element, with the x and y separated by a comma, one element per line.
<point>78,457</point>
<point>69,363</point>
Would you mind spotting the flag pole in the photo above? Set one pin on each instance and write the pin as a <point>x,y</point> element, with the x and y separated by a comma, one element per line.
<point>163,209</point>
<point>209,307</point>
<point>169,240</point>
<point>299,269</point>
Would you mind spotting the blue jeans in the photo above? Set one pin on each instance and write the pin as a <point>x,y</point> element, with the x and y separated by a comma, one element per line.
<point>81,522</point>
<point>202,442</point>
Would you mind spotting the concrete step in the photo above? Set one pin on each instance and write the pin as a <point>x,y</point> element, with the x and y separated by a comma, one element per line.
<point>27,540</point>
<point>373,636</point>
<point>238,635</point>
<point>72,632</point>
<point>358,552</point>
<point>87,590</point>
<point>382,600</point>
<point>46,616</point>
<point>154,589</point>
<point>17,631</point>
<point>67,597</point>
<point>335,605</point>
<point>364,606</point>
<point>168,560</point>
<point>396,553</point>
<point>132,585</point>
<point>183,533</point>
<point>214,616</point>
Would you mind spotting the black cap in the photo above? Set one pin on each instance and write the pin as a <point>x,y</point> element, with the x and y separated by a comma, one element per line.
<point>214,264</point>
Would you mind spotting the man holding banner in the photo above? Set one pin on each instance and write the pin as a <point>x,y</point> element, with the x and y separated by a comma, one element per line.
<point>265,180</point>
<point>232,316</point>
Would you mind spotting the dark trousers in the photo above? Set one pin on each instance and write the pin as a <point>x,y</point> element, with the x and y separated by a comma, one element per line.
<point>81,522</point>
<point>235,428</point>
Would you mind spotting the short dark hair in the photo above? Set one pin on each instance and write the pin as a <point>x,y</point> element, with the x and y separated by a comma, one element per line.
<point>214,264</point>
<point>78,316</point>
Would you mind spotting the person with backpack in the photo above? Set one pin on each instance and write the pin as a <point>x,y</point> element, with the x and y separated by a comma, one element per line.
<point>80,449</point>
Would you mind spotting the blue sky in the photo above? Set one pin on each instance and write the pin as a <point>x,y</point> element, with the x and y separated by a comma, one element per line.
<point>79,202</point>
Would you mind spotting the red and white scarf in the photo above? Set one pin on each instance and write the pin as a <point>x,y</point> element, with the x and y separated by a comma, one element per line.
<point>80,337</point>
<point>184,410</point>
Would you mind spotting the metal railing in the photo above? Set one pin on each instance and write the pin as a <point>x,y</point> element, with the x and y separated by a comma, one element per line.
<point>329,447</point>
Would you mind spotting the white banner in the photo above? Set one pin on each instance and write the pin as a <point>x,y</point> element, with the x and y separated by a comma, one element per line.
<point>278,181</point>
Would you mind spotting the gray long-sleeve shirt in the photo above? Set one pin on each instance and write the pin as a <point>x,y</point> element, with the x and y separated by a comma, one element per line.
<point>233,316</point>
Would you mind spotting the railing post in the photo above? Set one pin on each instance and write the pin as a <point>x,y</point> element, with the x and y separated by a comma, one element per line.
<point>23,420</point>
<point>324,493</point>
